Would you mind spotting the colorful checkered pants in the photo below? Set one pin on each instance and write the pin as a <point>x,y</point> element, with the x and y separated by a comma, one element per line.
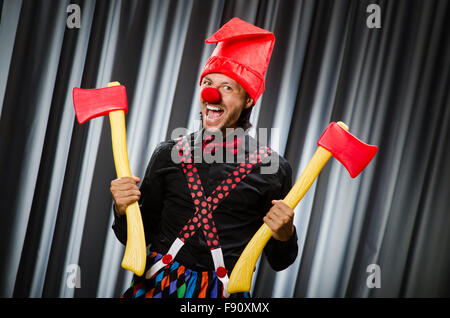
<point>177,281</point>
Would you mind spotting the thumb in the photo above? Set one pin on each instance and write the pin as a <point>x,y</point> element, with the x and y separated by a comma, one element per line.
<point>137,179</point>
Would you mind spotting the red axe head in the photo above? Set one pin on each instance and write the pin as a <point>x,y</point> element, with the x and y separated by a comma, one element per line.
<point>349,150</point>
<point>91,103</point>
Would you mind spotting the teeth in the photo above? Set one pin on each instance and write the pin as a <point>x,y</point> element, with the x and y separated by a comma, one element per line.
<point>212,108</point>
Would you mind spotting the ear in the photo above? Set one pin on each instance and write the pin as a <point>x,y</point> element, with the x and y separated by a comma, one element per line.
<point>248,102</point>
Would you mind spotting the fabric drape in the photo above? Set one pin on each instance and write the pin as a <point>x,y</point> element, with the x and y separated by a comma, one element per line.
<point>390,85</point>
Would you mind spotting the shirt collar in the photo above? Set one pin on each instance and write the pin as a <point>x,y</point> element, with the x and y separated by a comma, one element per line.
<point>248,142</point>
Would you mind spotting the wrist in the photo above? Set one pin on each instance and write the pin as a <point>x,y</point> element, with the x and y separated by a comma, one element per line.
<point>116,211</point>
<point>287,236</point>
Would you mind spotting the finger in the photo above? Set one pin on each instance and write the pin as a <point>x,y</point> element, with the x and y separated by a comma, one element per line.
<point>127,197</point>
<point>272,224</point>
<point>275,214</point>
<point>283,207</point>
<point>276,207</point>
<point>280,217</point>
<point>128,193</point>
<point>132,199</point>
<point>119,183</point>
<point>274,220</point>
<point>137,179</point>
<point>281,204</point>
<point>278,212</point>
<point>124,195</point>
<point>124,203</point>
<point>121,190</point>
<point>125,180</point>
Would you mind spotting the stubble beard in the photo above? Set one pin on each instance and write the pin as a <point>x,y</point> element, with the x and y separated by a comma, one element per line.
<point>230,122</point>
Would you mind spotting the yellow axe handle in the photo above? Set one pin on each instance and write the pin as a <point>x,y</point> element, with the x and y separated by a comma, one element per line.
<point>241,276</point>
<point>135,250</point>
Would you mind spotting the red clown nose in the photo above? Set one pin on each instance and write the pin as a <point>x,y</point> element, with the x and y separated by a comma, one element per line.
<point>210,95</point>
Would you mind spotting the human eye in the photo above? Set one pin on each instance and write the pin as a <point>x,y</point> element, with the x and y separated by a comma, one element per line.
<point>206,83</point>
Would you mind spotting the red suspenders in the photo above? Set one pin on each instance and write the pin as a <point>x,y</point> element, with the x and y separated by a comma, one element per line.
<point>204,207</point>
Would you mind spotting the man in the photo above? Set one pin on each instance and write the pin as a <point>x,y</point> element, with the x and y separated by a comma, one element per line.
<point>199,216</point>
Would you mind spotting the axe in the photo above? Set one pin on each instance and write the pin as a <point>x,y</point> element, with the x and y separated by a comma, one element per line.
<point>335,141</point>
<point>112,100</point>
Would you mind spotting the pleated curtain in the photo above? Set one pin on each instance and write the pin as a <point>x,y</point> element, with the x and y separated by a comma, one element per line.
<point>390,85</point>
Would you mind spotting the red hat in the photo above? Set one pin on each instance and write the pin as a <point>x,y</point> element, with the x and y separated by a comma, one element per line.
<point>242,53</point>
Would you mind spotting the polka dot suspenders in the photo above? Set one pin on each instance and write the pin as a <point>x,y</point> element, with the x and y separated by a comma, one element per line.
<point>204,207</point>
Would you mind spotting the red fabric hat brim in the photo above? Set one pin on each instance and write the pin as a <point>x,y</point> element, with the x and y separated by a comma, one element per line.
<point>250,80</point>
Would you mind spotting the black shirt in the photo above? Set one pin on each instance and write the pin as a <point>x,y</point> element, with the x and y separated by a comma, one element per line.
<point>166,205</point>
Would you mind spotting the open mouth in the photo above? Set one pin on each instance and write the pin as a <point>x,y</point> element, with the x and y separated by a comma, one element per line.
<point>213,114</point>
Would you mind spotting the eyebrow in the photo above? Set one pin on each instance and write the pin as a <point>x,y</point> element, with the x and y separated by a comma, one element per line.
<point>223,82</point>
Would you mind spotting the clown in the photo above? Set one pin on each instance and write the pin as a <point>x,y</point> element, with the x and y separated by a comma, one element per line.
<point>198,216</point>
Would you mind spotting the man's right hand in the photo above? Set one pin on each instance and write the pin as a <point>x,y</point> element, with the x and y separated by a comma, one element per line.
<point>125,191</point>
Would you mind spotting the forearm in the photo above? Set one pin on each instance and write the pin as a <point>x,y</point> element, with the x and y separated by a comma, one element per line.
<point>281,254</point>
<point>120,227</point>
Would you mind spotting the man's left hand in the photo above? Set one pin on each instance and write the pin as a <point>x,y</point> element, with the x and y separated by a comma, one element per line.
<point>280,220</point>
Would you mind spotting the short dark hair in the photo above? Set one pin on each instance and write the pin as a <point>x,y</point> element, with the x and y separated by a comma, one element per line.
<point>244,119</point>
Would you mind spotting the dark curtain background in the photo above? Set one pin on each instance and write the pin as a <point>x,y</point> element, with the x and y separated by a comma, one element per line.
<point>389,84</point>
